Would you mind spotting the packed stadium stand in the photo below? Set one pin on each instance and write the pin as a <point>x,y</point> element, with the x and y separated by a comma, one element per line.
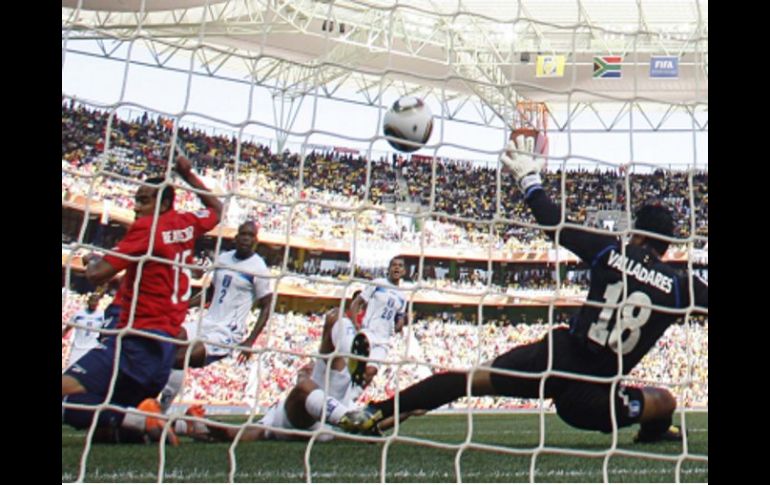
<point>268,182</point>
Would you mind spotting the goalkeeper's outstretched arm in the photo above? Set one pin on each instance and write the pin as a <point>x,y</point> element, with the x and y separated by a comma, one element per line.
<point>526,169</point>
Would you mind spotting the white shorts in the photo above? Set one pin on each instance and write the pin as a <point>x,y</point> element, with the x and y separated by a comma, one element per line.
<point>343,332</point>
<point>339,381</point>
<point>214,337</point>
<point>378,348</point>
<point>276,417</point>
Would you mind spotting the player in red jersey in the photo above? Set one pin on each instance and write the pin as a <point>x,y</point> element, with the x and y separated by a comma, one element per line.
<point>151,252</point>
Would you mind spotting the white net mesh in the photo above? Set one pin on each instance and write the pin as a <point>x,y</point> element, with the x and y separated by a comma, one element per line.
<point>279,105</point>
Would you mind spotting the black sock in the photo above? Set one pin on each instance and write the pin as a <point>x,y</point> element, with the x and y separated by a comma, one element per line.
<point>428,394</point>
<point>116,435</point>
<point>654,429</point>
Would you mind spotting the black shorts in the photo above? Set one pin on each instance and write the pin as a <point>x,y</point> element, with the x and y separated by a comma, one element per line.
<point>582,404</point>
<point>144,368</point>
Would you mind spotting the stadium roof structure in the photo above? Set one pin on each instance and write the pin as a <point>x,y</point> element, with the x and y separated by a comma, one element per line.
<point>478,51</point>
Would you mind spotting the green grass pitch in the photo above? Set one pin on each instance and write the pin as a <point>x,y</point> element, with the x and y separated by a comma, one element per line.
<point>344,460</point>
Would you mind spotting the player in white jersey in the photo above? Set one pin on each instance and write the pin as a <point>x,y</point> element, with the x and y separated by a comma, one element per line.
<point>385,316</point>
<point>240,284</point>
<point>84,339</point>
<point>303,408</point>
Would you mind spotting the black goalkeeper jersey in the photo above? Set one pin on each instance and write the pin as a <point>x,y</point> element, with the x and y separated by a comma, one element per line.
<point>630,326</point>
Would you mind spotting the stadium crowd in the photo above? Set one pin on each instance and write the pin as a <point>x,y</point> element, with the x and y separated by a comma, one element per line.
<point>267,184</point>
<point>266,189</point>
<point>680,358</point>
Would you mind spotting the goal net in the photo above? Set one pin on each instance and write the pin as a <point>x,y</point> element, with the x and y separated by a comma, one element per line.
<point>279,104</point>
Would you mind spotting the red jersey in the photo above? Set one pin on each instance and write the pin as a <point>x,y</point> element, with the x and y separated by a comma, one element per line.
<point>358,320</point>
<point>164,289</point>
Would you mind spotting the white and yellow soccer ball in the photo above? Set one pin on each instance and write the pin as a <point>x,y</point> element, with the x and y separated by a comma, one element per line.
<point>409,122</point>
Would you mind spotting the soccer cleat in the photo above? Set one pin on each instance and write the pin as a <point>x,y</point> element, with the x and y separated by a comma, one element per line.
<point>362,421</point>
<point>673,433</point>
<point>374,431</point>
<point>196,410</point>
<point>357,367</point>
<point>195,429</point>
<point>165,401</point>
<point>153,427</point>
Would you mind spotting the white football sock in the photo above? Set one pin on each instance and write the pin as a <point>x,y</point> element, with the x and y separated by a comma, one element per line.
<point>342,335</point>
<point>315,402</point>
<point>173,386</point>
<point>182,427</point>
<point>133,421</point>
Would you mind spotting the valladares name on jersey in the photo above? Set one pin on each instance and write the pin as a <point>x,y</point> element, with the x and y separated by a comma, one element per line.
<point>178,235</point>
<point>638,271</point>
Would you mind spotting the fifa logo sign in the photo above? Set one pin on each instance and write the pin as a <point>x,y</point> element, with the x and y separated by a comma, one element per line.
<point>664,67</point>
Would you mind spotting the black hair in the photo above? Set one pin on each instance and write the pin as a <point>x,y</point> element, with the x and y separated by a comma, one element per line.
<point>251,222</point>
<point>655,218</point>
<point>168,191</point>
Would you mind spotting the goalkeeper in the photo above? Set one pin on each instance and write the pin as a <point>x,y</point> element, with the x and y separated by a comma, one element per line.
<point>632,299</point>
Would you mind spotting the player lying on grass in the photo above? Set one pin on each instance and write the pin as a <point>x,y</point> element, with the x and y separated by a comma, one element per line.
<point>303,407</point>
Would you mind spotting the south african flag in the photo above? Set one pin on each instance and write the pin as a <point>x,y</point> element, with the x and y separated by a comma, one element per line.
<point>607,67</point>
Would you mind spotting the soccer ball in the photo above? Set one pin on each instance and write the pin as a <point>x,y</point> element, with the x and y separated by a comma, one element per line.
<point>409,120</point>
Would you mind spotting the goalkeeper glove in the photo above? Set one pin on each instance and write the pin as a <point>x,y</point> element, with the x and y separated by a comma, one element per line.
<point>523,165</point>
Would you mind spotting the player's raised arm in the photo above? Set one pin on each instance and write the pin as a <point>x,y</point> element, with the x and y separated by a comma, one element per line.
<point>98,271</point>
<point>526,168</point>
<point>358,305</point>
<point>184,169</point>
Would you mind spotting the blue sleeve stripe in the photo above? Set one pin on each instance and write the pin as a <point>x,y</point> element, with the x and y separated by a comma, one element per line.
<point>676,292</point>
<point>532,189</point>
<point>601,253</point>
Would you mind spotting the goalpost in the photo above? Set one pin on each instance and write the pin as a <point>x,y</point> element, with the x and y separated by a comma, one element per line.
<point>289,62</point>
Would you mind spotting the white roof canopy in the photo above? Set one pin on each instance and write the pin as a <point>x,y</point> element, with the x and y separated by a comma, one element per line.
<point>482,50</point>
